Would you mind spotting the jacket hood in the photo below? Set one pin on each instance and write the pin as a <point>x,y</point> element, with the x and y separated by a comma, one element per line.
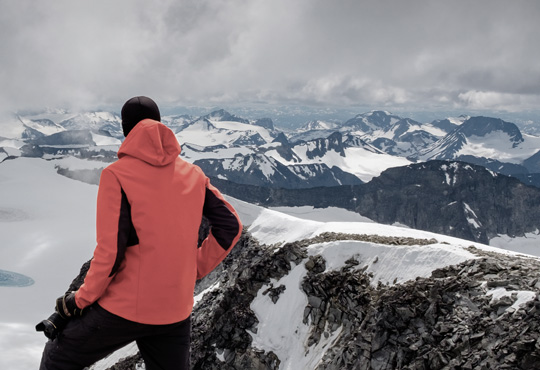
<point>152,142</point>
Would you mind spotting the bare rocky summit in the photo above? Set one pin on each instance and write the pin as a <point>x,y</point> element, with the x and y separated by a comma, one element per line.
<point>450,320</point>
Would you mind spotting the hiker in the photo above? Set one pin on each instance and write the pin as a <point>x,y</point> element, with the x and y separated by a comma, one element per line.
<point>140,283</point>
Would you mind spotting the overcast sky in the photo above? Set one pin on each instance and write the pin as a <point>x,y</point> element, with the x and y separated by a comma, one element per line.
<point>430,55</point>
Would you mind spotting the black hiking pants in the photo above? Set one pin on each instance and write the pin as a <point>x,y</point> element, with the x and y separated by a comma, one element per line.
<point>96,334</point>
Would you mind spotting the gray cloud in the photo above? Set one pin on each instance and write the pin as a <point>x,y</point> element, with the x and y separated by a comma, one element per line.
<point>428,54</point>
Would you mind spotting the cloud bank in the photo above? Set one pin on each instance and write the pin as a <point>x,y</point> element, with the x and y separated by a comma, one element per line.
<point>434,55</point>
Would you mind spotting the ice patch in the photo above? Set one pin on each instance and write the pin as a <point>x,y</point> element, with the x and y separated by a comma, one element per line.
<point>522,296</point>
<point>474,219</point>
<point>13,279</point>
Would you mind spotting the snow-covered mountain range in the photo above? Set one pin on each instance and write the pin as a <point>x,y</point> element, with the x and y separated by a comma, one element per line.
<point>300,254</point>
<point>319,155</point>
<point>362,146</point>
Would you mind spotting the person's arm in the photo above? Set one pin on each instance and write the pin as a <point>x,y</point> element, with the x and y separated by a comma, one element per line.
<point>112,216</point>
<point>225,230</point>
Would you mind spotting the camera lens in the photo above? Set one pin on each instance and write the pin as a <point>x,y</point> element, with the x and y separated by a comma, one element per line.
<point>52,326</point>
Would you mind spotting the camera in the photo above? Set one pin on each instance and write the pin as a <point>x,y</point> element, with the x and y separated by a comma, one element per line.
<point>52,326</point>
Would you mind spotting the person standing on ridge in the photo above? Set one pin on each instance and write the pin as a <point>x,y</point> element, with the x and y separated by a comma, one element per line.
<point>140,283</point>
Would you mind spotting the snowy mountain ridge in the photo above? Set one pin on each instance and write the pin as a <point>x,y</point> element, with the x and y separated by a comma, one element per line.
<point>491,142</point>
<point>299,294</point>
<point>484,137</point>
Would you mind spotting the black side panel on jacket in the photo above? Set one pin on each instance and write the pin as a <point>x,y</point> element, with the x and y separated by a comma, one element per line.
<point>223,222</point>
<point>127,236</point>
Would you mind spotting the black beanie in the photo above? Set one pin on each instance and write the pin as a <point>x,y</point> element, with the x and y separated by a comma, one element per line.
<point>136,109</point>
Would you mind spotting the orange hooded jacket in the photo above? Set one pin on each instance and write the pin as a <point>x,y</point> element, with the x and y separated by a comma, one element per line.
<point>149,208</point>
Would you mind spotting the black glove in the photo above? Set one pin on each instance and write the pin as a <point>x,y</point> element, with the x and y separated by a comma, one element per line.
<point>66,306</point>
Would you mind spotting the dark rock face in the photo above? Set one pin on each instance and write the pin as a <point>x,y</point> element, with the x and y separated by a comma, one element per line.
<point>386,145</point>
<point>222,319</point>
<point>79,151</point>
<point>504,168</point>
<point>450,198</point>
<point>533,163</point>
<point>448,321</point>
<point>445,125</point>
<point>266,123</point>
<point>481,126</point>
<point>285,150</point>
<point>351,141</point>
<point>532,179</point>
<point>281,138</point>
<point>322,146</point>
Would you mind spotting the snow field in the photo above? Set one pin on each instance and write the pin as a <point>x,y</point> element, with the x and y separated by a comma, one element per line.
<point>47,231</point>
<point>497,145</point>
<point>281,328</point>
<point>358,161</point>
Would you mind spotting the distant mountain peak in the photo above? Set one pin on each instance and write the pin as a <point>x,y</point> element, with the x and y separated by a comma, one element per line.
<point>481,126</point>
<point>318,125</point>
<point>372,121</point>
<point>379,113</point>
<point>223,115</point>
<point>476,136</point>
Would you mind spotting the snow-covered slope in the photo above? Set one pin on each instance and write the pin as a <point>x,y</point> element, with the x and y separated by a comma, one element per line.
<point>207,132</point>
<point>484,137</point>
<point>361,162</point>
<point>18,128</point>
<point>318,125</point>
<point>91,121</point>
<point>47,230</point>
<point>47,123</point>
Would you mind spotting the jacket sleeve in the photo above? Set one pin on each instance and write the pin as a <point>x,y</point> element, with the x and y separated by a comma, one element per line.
<point>225,230</point>
<point>108,214</point>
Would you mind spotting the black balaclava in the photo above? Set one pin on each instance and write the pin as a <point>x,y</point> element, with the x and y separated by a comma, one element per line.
<point>136,109</point>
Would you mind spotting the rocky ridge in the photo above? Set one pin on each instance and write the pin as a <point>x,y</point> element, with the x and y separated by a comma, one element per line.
<point>451,320</point>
